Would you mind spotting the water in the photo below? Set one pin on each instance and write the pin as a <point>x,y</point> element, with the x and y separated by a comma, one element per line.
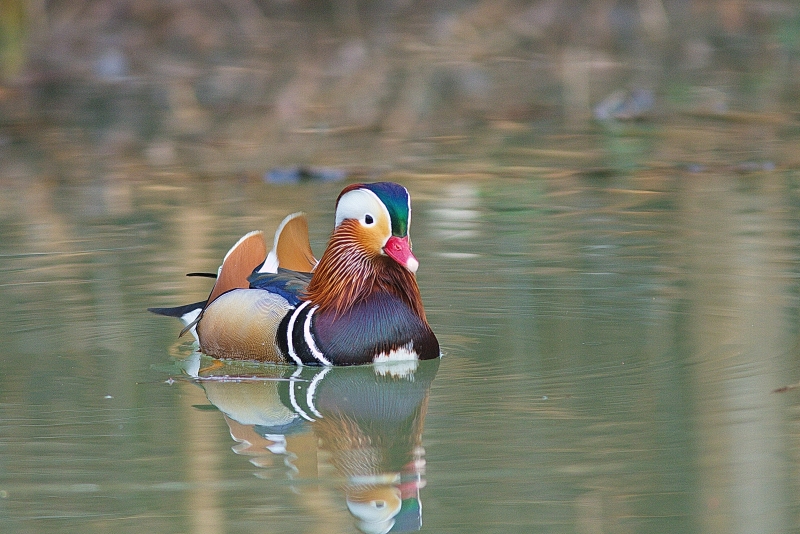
<point>612,343</point>
<point>616,299</point>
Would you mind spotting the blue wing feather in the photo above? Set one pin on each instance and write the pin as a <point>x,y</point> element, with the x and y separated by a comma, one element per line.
<point>286,283</point>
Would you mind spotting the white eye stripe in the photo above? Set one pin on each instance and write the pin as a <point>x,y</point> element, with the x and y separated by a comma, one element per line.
<point>359,203</point>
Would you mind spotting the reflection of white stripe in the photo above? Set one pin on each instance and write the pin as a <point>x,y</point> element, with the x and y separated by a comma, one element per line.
<point>310,340</point>
<point>312,389</point>
<point>290,328</point>
<point>293,398</point>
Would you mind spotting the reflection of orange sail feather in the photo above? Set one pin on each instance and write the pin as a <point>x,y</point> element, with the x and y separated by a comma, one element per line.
<point>367,421</point>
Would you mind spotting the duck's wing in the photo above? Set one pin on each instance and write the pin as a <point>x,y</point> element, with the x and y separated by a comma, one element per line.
<point>288,284</point>
<point>280,271</point>
<point>240,261</point>
<point>291,249</point>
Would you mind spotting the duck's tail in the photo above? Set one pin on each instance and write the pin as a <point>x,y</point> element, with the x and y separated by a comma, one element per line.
<point>188,314</point>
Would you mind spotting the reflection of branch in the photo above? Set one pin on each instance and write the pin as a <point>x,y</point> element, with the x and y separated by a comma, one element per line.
<point>784,389</point>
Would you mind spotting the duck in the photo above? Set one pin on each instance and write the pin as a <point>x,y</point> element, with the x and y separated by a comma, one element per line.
<point>358,304</point>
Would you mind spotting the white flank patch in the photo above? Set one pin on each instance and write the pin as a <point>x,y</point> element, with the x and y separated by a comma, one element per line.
<point>399,363</point>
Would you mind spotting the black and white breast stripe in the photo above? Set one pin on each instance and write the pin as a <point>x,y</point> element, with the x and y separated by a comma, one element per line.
<point>301,347</point>
<point>379,329</point>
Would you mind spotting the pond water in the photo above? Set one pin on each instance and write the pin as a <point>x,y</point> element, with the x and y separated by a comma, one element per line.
<point>613,336</point>
<point>606,213</point>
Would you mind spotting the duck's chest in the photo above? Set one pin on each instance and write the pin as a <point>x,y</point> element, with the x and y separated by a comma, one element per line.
<point>380,328</point>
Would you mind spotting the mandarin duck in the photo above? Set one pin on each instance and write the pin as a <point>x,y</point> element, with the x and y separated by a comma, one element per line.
<point>358,304</point>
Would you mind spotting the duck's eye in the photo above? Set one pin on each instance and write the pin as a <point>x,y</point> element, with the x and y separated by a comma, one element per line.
<point>368,219</point>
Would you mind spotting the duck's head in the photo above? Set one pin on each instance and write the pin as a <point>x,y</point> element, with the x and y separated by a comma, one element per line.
<point>369,249</point>
<point>377,217</point>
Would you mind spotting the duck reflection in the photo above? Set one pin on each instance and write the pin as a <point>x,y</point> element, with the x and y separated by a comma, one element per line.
<point>364,421</point>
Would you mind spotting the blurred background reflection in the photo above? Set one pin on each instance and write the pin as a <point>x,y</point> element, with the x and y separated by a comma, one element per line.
<point>606,205</point>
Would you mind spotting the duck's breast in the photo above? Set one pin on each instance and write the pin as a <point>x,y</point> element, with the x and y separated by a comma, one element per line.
<point>379,328</point>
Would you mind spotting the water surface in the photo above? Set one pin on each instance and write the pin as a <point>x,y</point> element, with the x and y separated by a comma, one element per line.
<point>612,339</point>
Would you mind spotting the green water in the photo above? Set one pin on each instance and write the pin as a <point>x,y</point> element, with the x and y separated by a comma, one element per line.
<point>612,339</point>
<point>606,213</point>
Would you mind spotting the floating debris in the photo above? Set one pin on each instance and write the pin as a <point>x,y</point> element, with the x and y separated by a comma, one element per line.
<point>746,167</point>
<point>296,175</point>
<point>695,168</point>
<point>784,389</point>
<point>625,106</point>
<point>754,166</point>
